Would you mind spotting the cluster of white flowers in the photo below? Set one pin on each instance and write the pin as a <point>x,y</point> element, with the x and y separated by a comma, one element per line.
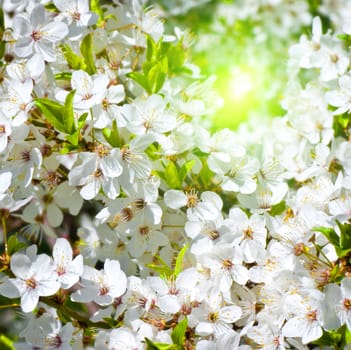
<point>255,35</point>
<point>182,239</point>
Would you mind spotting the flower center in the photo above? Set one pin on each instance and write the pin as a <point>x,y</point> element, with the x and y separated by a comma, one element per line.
<point>31,283</point>
<point>53,341</point>
<point>334,58</point>
<point>227,264</point>
<point>185,309</point>
<point>126,154</point>
<point>60,270</point>
<point>125,215</point>
<point>312,315</point>
<point>298,249</point>
<point>276,341</point>
<point>105,104</point>
<point>103,290</point>
<point>2,129</point>
<point>139,204</point>
<point>25,155</point>
<point>36,35</point>
<point>316,46</point>
<point>192,199</point>
<point>211,233</point>
<point>213,316</point>
<point>102,151</point>
<point>75,15</point>
<point>147,125</point>
<point>144,230</point>
<point>248,233</point>
<point>347,304</point>
<point>87,96</point>
<point>52,178</point>
<point>98,173</point>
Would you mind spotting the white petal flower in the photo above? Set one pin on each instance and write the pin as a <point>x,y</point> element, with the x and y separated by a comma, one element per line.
<point>36,34</point>
<point>68,269</point>
<point>34,278</point>
<point>101,286</point>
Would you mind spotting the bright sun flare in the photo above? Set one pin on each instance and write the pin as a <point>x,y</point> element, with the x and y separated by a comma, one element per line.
<point>240,83</point>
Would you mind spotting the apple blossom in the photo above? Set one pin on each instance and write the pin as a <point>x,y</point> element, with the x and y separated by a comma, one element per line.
<point>101,286</point>
<point>37,35</point>
<point>68,270</point>
<point>173,232</point>
<point>34,277</point>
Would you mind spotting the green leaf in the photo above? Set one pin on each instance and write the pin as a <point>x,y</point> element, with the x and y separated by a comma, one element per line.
<point>53,112</point>
<point>151,48</point>
<point>68,114</point>
<point>176,58</point>
<point>185,169</point>
<point>157,75</point>
<point>111,322</point>
<point>330,234</point>
<point>161,267</point>
<point>75,137</point>
<point>341,124</point>
<point>338,339</point>
<point>344,120</point>
<point>82,119</point>
<point>327,339</point>
<point>345,235</point>
<point>278,209</point>
<point>159,346</point>
<point>2,21</point>
<point>159,173</point>
<point>141,79</point>
<point>172,177</point>
<point>2,48</point>
<point>347,336</point>
<point>14,245</point>
<point>178,333</point>
<point>336,276</point>
<point>63,76</point>
<point>111,135</point>
<point>63,316</point>
<point>74,61</point>
<point>95,7</point>
<point>179,261</point>
<point>86,48</point>
<point>2,29</point>
<point>206,175</point>
<point>342,243</point>
<point>6,343</point>
<point>161,270</point>
<point>51,8</point>
<point>155,68</point>
<point>153,151</point>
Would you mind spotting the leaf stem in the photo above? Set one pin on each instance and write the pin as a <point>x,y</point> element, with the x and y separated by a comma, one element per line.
<point>80,317</point>
<point>9,306</point>
<point>3,221</point>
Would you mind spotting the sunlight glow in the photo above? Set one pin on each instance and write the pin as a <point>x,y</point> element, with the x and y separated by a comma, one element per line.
<point>240,83</point>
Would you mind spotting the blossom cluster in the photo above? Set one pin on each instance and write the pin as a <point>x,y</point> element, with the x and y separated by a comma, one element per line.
<point>152,232</point>
<point>254,36</point>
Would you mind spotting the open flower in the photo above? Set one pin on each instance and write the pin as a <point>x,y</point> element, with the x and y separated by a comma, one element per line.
<point>213,316</point>
<point>76,13</point>
<point>68,270</point>
<point>102,286</point>
<point>38,35</point>
<point>35,277</point>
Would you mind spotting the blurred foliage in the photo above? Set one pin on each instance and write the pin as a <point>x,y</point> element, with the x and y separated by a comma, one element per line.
<point>224,49</point>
